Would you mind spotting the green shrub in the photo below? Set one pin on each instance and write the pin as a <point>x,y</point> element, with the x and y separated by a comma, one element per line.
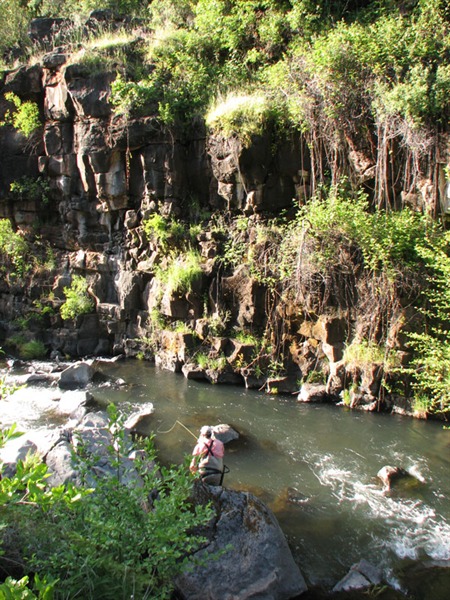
<point>27,188</point>
<point>182,272</point>
<point>387,240</point>
<point>13,250</point>
<point>14,18</point>
<point>430,366</point>
<point>78,301</point>
<point>242,115</point>
<point>25,117</point>
<point>33,349</point>
<point>120,541</point>
<point>202,360</point>
<point>26,348</point>
<point>165,232</point>
<point>364,353</point>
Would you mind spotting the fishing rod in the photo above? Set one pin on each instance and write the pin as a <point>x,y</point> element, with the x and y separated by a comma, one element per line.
<point>173,426</point>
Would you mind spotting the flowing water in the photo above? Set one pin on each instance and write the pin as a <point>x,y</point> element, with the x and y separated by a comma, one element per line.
<point>315,466</point>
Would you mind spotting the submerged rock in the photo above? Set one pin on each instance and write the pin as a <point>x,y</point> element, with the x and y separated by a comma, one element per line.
<point>362,575</point>
<point>391,475</point>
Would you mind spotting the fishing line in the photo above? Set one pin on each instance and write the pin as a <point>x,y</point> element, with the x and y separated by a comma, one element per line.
<point>173,426</point>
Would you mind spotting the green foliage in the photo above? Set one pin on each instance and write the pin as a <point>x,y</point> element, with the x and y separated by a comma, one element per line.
<point>33,349</point>
<point>26,348</point>
<point>182,272</point>
<point>365,352</point>
<point>244,116</point>
<point>25,117</point>
<point>120,539</point>
<point>71,8</point>
<point>13,250</point>
<point>246,337</point>
<point>13,26</point>
<point>165,232</point>
<point>202,360</point>
<point>78,301</point>
<point>13,589</point>
<point>27,188</point>
<point>430,367</point>
<point>6,390</point>
<point>211,363</point>
<point>388,241</point>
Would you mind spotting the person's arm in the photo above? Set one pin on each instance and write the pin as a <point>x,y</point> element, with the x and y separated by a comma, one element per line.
<point>194,462</point>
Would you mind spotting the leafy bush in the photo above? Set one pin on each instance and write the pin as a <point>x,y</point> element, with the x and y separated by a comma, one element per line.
<point>364,353</point>
<point>25,117</point>
<point>13,250</point>
<point>78,301</point>
<point>430,369</point>
<point>165,231</point>
<point>120,540</point>
<point>27,188</point>
<point>387,240</point>
<point>13,589</point>
<point>13,26</point>
<point>26,348</point>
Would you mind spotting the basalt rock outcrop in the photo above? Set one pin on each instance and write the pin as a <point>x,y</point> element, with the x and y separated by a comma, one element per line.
<point>104,175</point>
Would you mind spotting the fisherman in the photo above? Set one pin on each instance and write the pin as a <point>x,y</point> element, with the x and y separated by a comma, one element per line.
<point>207,457</point>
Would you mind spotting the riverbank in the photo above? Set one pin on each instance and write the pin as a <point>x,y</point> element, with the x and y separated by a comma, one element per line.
<point>315,466</point>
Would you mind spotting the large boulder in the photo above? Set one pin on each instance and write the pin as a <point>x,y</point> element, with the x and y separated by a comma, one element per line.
<point>225,433</point>
<point>77,375</point>
<point>313,392</point>
<point>139,422</point>
<point>255,555</point>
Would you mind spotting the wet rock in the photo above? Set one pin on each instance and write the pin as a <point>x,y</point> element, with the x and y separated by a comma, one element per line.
<point>428,580</point>
<point>390,475</point>
<point>252,380</point>
<point>75,404</point>
<point>193,371</point>
<point>361,575</point>
<point>226,376</point>
<point>225,433</point>
<point>313,392</point>
<point>259,564</point>
<point>76,376</point>
<point>139,422</point>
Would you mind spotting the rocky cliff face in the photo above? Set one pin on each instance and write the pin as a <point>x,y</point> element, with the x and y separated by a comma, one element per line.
<point>105,175</point>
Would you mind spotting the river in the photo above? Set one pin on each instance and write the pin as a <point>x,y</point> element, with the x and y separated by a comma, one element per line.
<point>315,466</point>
